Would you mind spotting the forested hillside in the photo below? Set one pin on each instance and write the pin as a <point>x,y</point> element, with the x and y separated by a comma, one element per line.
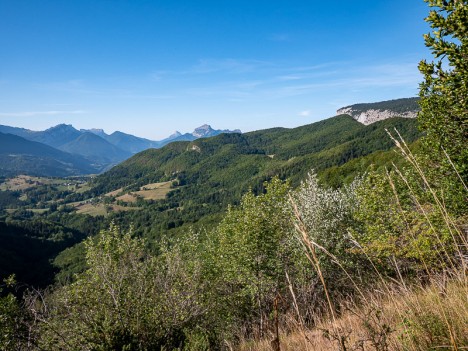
<point>197,181</point>
<point>233,159</point>
<point>209,174</point>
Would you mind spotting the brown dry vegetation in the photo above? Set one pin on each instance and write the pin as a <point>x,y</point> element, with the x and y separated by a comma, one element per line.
<point>154,191</point>
<point>101,209</point>
<point>393,318</point>
<point>128,198</point>
<point>114,193</point>
<point>92,209</point>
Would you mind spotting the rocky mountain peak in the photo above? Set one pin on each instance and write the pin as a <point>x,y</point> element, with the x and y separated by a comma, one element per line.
<point>203,131</point>
<point>61,127</point>
<point>175,135</point>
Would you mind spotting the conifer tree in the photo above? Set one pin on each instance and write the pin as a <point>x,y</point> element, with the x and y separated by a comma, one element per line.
<point>444,91</point>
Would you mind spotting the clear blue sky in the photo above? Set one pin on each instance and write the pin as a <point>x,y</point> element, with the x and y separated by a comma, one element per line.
<point>151,67</point>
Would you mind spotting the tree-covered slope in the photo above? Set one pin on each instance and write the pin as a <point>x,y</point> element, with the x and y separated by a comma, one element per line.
<point>209,174</point>
<point>281,151</point>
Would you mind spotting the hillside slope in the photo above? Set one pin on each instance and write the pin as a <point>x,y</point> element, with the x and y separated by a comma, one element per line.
<point>214,172</point>
<point>21,156</point>
<point>95,148</point>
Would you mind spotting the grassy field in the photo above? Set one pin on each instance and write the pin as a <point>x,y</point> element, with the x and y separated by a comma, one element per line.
<point>128,198</point>
<point>114,193</point>
<point>92,209</point>
<point>100,209</point>
<point>153,191</point>
<point>23,182</point>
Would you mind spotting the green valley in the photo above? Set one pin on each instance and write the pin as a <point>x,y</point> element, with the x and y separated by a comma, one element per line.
<point>163,192</point>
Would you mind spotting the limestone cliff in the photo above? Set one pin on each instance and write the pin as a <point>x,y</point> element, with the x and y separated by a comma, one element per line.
<point>373,112</point>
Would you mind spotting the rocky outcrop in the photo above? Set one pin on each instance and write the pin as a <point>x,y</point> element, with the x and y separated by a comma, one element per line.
<point>371,116</point>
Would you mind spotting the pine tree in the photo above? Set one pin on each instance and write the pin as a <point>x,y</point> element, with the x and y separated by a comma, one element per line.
<point>444,92</point>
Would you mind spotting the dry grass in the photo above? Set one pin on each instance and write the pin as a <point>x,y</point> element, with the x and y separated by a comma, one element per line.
<point>101,209</point>
<point>83,188</point>
<point>423,318</point>
<point>24,182</point>
<point>154,191</point>
<point>92,209</point>
<point>128,198</point>
<point>395,315</point>
<point>114,193</point>
<point>156,194</point>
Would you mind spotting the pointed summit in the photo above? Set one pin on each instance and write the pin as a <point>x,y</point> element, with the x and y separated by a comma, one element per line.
<point>58,135</point>
<point>174,135</point>
<point>203,131</point>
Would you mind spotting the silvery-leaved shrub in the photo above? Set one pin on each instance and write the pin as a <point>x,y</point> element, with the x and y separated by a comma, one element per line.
<point>327,216</point>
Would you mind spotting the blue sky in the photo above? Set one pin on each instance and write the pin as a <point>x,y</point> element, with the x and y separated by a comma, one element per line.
<point>151,67</point>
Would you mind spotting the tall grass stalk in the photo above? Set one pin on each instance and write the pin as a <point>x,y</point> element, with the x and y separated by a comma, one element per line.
<point>450,225</point>
<point>433,301</point>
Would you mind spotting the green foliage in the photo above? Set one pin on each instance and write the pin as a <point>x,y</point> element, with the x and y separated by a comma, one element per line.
<point>337,176</point>
<point>402,221</point>
<point>12,328</point>
<point>126,300</point>
<point>444,113</point>
<point>327,216</point>
<point>215,172</point>
<point>252,249</point>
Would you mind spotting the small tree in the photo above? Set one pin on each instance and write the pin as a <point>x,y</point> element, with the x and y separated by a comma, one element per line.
<point>254,248</point>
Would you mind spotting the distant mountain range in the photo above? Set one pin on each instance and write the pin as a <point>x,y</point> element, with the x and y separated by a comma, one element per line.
<point>63,150</point>
<point>75,151</point>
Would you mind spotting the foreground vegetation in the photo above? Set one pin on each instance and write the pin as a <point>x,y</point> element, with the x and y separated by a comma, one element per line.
<point>276,268</point>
